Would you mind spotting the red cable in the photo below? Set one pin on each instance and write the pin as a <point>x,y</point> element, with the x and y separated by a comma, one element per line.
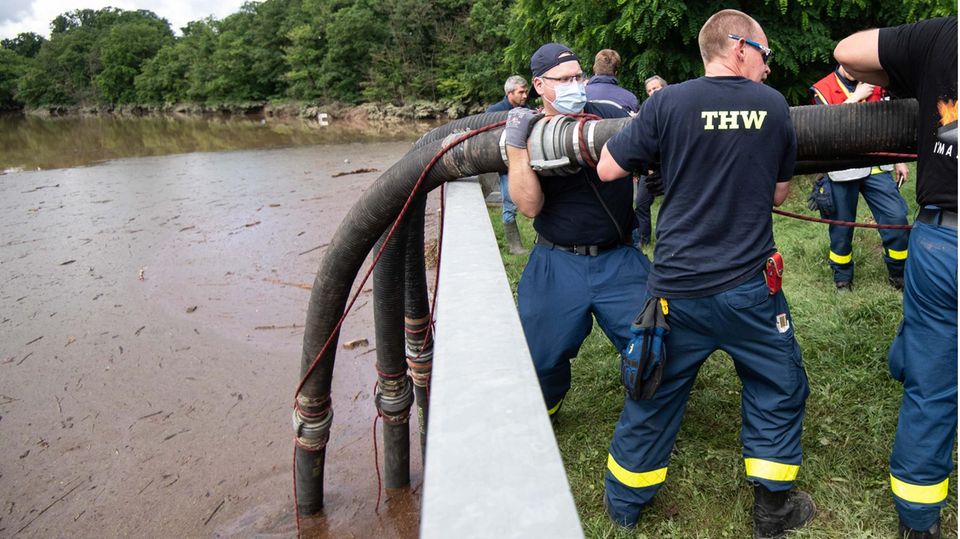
<point>850,224</point>
<point>376,455</point>
<point>295,508</point>
<point>393,228</point>
<point>436,281</point>
<point>912,156</point>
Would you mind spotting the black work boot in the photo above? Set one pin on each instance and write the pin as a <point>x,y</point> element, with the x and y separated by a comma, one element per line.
<point>775,513</point>
<point>909,533</point>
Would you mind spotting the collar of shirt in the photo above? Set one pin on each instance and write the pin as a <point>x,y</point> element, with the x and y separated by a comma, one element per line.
<point>603,79</point>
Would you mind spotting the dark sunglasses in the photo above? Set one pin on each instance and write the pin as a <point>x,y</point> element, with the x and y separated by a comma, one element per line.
<point>764,51</point>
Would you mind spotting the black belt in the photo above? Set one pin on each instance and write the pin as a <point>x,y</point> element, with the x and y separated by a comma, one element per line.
<point>582,250</point>
<point>938,217</point>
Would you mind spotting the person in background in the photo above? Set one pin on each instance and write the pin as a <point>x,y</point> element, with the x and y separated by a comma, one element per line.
<point>515,95</point>
<point>714,241</point>
<point>654,84</point>
<point>876,184</point>
<point>644,198</point>
<point>920,60</point>
<point>604,87</point>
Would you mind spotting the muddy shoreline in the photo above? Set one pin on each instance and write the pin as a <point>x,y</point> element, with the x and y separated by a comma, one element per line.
<point>152,318</point>
<point>358,114</point>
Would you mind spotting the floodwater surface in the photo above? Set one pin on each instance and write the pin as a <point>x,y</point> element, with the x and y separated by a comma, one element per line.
<point>151,319</point>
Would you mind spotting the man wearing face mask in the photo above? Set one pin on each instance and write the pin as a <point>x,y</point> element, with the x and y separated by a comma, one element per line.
<point>582,265</point>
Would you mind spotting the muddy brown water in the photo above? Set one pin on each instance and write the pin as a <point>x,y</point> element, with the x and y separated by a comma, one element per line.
<point>151,322</point>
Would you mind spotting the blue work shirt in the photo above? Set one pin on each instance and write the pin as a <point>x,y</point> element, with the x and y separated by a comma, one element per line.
<point>500,106</point>
<point>572,214</point>
<point>723,143</point>
<point>607,88</point>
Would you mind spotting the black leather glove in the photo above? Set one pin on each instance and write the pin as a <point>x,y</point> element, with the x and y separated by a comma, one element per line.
<point>654,182</point>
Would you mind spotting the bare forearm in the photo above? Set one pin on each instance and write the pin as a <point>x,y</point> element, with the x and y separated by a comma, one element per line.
<point>859,55</point>
<point>781,192</point>
<point>524,184</point>
<point>607,168</point>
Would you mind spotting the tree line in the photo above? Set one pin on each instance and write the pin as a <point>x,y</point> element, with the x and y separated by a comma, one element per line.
<point>400,51</point>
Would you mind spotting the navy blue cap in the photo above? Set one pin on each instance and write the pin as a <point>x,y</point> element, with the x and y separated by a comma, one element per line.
<point>548,57</point>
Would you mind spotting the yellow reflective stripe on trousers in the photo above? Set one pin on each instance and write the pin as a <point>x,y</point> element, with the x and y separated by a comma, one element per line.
<point>553,410</point>
<point>773,471</point>
<point>876,170</point>
<point>897,255</point>
<point>919,493</point>
<point>841,259</point>
<point>635,479</point>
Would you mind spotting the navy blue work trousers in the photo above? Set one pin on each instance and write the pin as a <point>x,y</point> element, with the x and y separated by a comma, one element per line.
<point>756,329</point>
<point>923,357</point>
<point>558,295</point>
<point>641,208</point>
<point>888,208</point>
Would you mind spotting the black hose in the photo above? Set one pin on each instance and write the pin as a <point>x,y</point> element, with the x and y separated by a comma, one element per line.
<point>417,319</point>
<point>394,390</point>
<point>824,134</point>
<point>855,129</point>
<point>459,126</point>
<point>348,248</point>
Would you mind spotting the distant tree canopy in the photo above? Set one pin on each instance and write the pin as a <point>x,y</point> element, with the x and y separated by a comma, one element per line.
<point>404,50</point>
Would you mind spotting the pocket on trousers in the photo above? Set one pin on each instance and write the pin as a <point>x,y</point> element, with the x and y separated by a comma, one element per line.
<point>895,356</point>
<point>749,294</point>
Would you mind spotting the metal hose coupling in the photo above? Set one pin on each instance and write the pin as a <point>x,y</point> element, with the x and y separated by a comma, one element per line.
<point>394,398</point>
<point>555,145</point>
<point>419,349</point>
<point>312,433</point>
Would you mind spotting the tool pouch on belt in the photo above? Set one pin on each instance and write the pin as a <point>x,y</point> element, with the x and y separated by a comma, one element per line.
<point>821,197</point>
<point>642,361</point>
<point>773,273</point>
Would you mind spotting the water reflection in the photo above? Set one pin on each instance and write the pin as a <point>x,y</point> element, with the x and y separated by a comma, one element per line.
<point>32,143</point>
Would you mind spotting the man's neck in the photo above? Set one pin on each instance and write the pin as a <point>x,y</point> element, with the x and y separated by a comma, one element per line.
<point>720,68</point>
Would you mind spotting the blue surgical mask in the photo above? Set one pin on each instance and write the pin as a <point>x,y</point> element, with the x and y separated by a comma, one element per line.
<point>571,98</point>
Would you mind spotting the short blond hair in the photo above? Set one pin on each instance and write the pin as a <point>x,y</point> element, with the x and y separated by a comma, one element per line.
<point>714,35</point>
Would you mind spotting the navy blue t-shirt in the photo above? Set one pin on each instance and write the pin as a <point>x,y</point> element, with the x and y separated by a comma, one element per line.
<point>571,213</point>
<point>723,143</point>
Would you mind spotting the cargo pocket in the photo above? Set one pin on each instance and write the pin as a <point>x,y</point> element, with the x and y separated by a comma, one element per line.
<point>749,294</point>
<point>895,356</point>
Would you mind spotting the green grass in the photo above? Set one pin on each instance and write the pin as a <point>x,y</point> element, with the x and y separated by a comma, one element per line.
<point>851,412</point>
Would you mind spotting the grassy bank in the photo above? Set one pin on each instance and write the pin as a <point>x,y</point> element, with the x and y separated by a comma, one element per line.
<point>851,412</point>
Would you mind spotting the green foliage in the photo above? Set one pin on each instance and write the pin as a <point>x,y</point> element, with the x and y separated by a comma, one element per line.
<point>12,67</point>
<point>304,53</point>
<point>660,36</point>
<point>352,34</point>
<point>26,44</point>
<point>457,51</point>
<point>93,56</point>
<point>248,60</point>
<point>474,70</point>
<point>123,50</point>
